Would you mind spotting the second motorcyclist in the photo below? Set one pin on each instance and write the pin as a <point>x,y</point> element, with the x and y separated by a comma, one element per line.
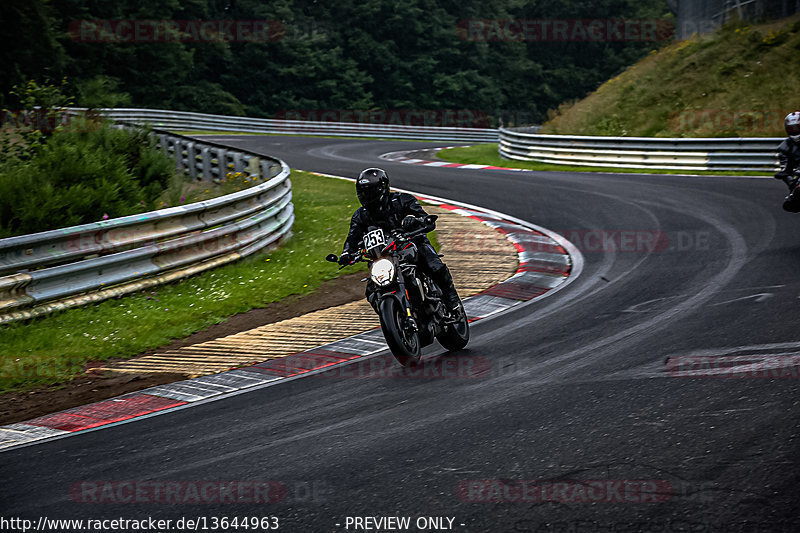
<point>789,159</point>
<point>391,211</point>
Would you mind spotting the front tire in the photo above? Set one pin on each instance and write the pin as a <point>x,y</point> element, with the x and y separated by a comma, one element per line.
<point>455,336</point>
<point>405,345</point>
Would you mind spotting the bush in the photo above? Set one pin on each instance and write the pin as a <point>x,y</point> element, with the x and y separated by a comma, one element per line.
<point>85,172</point>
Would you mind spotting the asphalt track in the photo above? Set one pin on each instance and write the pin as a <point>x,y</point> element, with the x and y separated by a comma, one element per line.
<point>577,392</point>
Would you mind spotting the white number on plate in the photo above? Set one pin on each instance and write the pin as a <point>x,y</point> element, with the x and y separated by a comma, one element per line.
<point>374,238</point>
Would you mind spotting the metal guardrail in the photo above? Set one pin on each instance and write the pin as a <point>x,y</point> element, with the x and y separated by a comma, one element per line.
<point>204,160</point>
<point>180,120</point>
<point>735,154</point>
<point>56,269</point>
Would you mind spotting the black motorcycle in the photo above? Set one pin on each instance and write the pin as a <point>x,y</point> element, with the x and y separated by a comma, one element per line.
<point>408,302</point>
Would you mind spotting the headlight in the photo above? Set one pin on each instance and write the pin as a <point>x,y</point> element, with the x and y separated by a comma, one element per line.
<point>382,272</point>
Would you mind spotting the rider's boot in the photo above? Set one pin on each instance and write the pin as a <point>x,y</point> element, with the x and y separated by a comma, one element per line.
<point>444,280</point>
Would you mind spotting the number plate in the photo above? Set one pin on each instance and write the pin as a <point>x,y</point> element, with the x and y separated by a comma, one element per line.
<point>374,239</point>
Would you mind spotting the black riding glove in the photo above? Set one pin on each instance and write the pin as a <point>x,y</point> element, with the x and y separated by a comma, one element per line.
<point>410,223</point>
<point>345,259</point>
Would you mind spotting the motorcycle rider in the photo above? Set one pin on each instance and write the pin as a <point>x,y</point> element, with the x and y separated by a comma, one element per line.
<point>789,157</point>
<point>388,211</point>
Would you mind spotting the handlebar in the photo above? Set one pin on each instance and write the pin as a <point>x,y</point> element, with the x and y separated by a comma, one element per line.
<point>333,258</point>
<point>429,225</point>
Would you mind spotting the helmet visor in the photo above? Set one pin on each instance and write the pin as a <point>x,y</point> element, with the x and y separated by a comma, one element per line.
<point>369,195</point>
<point>792,125</point>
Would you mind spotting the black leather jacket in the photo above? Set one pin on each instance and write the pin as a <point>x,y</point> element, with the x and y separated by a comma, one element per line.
<point>789,156</point>
<point>391,217</point>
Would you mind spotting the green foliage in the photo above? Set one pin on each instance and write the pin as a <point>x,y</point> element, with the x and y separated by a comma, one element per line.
<point>24,130</point>
<point>18,146</point>
<point>28,45</point>
<point>83,173</point>
<point>347,55</point>
<point>46,96</point>
<point>102,91</point>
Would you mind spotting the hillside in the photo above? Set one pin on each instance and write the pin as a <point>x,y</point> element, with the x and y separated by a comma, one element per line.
<point>738,82</point>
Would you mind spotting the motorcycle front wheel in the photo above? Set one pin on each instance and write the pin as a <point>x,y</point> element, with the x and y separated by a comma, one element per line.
<point>403,343</point>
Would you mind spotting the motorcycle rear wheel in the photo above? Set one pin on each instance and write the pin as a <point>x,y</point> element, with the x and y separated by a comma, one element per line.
<point>455,336</point>
<point>405,345</point>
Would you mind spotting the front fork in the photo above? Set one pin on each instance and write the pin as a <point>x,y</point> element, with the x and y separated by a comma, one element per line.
<point>401,295</point>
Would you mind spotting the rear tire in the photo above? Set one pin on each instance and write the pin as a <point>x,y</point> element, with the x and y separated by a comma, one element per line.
<point>456,335</point>
<point>792,202</point>
<point>405,346</point>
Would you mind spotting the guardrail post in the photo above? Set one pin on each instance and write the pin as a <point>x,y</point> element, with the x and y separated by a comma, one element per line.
<point>222,163</point>
<point>238,162</point>
<point>253,166</point>
<point>205,168</point>
<point>177,153</point>
<point>191,159</point>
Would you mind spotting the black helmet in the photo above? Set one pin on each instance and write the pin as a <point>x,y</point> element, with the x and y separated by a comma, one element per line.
<point>372,188</point>
<point>792,125</point>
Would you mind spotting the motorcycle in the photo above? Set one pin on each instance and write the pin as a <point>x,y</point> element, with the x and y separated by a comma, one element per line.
<point>409,304</point>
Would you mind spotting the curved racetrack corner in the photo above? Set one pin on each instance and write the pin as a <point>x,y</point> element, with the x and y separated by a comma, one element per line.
<point>581,391</point>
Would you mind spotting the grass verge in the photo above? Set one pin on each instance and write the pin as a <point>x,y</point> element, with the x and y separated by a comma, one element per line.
<point>53,349</point>
<point>486,154</point>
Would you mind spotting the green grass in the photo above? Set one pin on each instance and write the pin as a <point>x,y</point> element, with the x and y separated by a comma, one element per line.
<point>486,154</point>
<point>738,82</point>
<point>53,349</point>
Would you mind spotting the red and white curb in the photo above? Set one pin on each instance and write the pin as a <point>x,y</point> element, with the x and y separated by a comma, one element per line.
<point>403,157</point>
<point>547,263</point>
